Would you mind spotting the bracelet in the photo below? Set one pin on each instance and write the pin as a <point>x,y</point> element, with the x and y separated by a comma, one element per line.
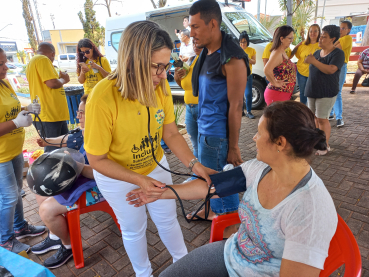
<point>192,163</point>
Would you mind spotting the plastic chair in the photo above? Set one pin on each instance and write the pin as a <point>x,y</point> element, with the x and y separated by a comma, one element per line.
<point>342,250</point>
<point>73,100</point>
<point>74,226</point>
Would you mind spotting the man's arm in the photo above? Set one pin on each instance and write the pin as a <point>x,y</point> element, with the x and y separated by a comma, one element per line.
<point>236,72</point>
<point>58,83</point>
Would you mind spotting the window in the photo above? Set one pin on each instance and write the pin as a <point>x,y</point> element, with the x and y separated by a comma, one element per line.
<point>63,57</point>
<point>224,27</point>
<point>115,38</point>
<point>71,57</point>
<point>71,49</point>
<point>244,22</point>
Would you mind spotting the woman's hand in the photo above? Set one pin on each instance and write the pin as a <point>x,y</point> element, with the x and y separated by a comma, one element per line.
<point>203,172</point>
<point>179,73</point>
<point>94,65</point>
<point>138,198</point>
<point>310,59</point>
<point>41,142</point>
<point>151,187</point>
<point>279,83</point>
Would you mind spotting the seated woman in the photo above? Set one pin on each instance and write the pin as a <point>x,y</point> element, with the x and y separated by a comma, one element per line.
<point>363,68</point>
<point>287,215</point>
<point>52,208</point>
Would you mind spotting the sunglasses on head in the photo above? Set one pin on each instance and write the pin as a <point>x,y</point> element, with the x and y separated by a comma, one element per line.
<point>85,52</point>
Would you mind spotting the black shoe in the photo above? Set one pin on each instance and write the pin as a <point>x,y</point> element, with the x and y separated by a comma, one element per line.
<point>59,258</point>
<point>340,123</point>
<point>23,193</point>
<point>243,113</point>
<point>331,117</point>
<point>46,245</point>
<point>29,231</point>
<point>167,151</point>
<point>250,115</point>
<point>15,246</point>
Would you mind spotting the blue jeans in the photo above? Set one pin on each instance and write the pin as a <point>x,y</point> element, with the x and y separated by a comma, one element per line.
<point>163,145</point>
<point>248,93</point>
<point>302,80</point>
<point>213,153</point>
<point>337,108</point>
<point>192,111</point>
<point>11,205</point>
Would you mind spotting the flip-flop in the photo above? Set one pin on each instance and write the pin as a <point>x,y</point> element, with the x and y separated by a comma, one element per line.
<point>322,152</point>
<point>197,218</point>
<point>352,91</point>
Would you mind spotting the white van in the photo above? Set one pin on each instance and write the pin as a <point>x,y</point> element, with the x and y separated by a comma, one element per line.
<point>235,20</point>
<point>66,62</point>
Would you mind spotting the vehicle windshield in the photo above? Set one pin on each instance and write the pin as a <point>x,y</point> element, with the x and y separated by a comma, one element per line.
<point>244,22</point>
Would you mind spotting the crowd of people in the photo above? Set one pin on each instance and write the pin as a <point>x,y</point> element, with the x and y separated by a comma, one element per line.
<point>125,115</point>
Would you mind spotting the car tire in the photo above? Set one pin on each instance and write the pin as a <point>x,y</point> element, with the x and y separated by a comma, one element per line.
<point>258,88</point>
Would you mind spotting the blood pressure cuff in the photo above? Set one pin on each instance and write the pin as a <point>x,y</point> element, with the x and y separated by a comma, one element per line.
<point>229,182</point>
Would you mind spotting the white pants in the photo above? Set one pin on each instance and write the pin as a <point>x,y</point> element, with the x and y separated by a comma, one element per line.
<point>133,221</point>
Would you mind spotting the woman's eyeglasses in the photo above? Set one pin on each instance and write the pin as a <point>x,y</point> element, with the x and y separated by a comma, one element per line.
<point>161,67</point>
<point>80,113</point>
<point>85,52</point>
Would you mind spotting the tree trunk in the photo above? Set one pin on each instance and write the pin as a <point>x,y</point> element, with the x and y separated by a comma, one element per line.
<point>366,35</point>
<point>153,4</point>
<point>108,2</point>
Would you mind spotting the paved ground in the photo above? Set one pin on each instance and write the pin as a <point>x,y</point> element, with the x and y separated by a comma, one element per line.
<point>345,172</point>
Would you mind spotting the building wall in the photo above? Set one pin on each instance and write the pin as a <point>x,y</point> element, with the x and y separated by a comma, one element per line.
<point>63,38</point>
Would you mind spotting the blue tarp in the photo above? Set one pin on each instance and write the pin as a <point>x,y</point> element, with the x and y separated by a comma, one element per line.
<point>21,267</point>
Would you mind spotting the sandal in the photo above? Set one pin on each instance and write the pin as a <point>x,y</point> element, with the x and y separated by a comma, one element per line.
<point>352,91</point>
<point>197,218</point>
<point>322,152</point>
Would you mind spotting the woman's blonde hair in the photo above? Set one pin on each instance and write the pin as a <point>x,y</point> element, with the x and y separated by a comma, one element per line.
<point>133,73</point>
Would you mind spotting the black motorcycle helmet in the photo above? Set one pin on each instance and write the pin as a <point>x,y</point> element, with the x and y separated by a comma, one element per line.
<point>55,172</point>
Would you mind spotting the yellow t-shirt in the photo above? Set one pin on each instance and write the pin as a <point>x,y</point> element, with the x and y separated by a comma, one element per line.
<point>186,84</point>
<point>93,78</point>
<point>11,144</point>
<point>118,127</point>
<point>250,52</point>
<point>346,45</point>
<point>53,102</point>
<point>302,52</point>
<point>266,53</point>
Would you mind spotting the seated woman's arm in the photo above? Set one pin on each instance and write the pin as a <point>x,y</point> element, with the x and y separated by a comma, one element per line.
<point>361,67</point>
<point>292,269</point>
<point>53,141</point>
<point>88,172</point>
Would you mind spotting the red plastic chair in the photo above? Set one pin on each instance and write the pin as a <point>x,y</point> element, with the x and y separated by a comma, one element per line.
<point>75,228</point>
<point>342,250</point>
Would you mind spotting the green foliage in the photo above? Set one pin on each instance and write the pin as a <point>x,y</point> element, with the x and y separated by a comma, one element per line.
<point>24,90</point>
<point>24,69</point>
<point>91,26</point>
<point>29,25</point>
<point>178,111</point>
<point>22,55</point>
<point>303,14</point>
<point>269,23</point>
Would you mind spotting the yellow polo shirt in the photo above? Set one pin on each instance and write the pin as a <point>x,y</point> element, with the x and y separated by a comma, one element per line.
<point>346,45</point>
<point>118,127</point>
<point>93,78</point>
<point>250,52</point>
<point>302,52</point>
<point>53,102</point>
<point>11,144</point>
<point>186,84</point>
<point>266,53</point>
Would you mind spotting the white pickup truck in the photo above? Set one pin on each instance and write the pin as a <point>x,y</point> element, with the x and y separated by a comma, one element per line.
<point>66,62</point>
<point>234,21</point>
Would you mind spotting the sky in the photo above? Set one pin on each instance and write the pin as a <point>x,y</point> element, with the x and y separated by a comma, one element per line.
<point>65,13</point>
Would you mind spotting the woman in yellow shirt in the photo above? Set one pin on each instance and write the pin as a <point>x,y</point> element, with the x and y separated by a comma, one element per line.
<point>345,44</point>
<point>92,66</point>
<point>302,50</point>
<point>251,53</point>
<point>12,122</point>
<point>119,145</point>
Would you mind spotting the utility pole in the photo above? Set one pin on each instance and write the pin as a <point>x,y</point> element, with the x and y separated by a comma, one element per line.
<point>38,19</point>
<point>289,12</point>
<point>316,11</point>
<point>259,10</point>
<point>265,9</point>
<point>52,19</point>
<point>34,23</point>
<point>321,21</point>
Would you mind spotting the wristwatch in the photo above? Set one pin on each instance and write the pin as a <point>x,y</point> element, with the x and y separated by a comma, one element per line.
<point>192,163</point>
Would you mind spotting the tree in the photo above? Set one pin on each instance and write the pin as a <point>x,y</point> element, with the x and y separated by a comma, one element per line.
<point>107,4</point>
<point>269,22</point>
<point>29,25</point>
<point>91,26</point>
<point>366,35</point>
<point>159,4</point>
<point>21,55</point>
